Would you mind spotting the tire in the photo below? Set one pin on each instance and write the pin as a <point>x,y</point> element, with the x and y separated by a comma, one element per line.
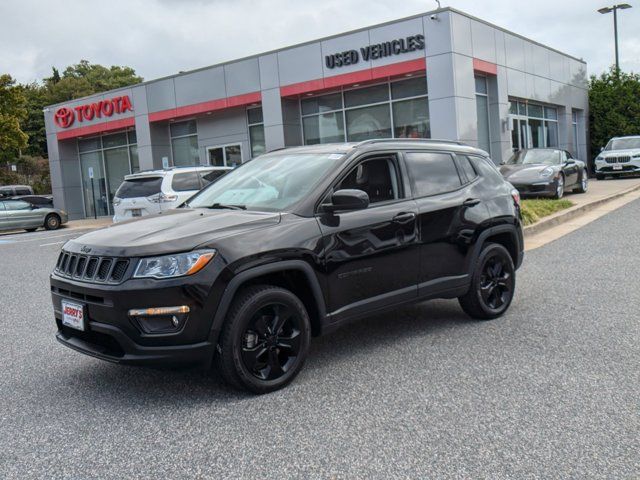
<point>559,187</point>
<point>491,291</point>
<point>30,229</point>
<point>584,183</point>
<point>52,222</point>
<point>250,355</point>
<point>599,176</point>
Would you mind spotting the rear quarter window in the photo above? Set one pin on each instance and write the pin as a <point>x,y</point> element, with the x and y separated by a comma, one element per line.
<point>432,173</point>
<point>487,169</point>
<point>186,181</point>
<point>139,187</point>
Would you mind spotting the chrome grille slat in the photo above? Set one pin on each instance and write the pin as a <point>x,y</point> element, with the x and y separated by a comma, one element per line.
<point>619,159</point>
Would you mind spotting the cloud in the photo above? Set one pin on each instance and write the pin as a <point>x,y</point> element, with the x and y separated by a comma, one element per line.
<point>162,37</point>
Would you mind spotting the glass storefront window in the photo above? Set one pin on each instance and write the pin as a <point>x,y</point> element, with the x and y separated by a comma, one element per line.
<point>367,95</point>
<point>535,111</point>
<point>411,119</point>
<point>368,122</point>
<point>325,128</point>
<point>534,126</point>
<point>109,158</point>
<point>323,103</point>
<point>185,150</point>
<point>255,121</point>
<point>413,87</point>
<point>396,109</point>
<point>482,112</point>
<point>181,129</point>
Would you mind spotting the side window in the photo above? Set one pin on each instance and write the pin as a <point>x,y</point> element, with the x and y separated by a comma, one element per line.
<point>210,177</point>
<point>432,173</point>
<point>17,205</point>
<point>22,191</point>
<point>6,192</point>
<point>467,168</point>
<point>183,182</point>
<point>377,177</point>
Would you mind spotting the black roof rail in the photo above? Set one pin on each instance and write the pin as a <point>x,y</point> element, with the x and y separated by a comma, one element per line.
<point>395,140</point>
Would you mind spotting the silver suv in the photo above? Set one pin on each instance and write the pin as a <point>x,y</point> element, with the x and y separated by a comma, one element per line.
<point>620,156</point>
<point>154,191</point>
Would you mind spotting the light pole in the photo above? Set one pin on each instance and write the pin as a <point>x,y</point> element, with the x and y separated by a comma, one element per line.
<point>614,9</point>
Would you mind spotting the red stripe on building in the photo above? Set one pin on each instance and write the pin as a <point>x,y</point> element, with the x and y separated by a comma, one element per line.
<point>375,73</point>
<point>204,107</point>
<point>96,128</point>
<point>485,67</point>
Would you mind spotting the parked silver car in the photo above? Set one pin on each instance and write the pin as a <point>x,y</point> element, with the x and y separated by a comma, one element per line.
<point>18,214</point>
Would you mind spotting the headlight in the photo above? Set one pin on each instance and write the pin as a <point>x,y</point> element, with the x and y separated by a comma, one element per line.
<point>636,155</point>
<point>547,172</point>
<point>599,158</point>
<point>170,266</point>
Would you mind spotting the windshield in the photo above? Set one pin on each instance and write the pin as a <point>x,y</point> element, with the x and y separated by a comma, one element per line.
<point>139,187</point>
<point>270,182</point>
<point>525,157</point>
<point>623,143</point>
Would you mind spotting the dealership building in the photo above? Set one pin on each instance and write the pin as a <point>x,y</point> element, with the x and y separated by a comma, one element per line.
<point>443,74</point>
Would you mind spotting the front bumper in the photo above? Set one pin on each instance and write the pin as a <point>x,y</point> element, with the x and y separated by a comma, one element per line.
<point>630,168</point>
<point>536,189</point>
<point>111,334</point>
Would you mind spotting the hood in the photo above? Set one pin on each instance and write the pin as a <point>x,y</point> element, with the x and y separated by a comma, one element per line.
<point>528,172</point>
<point>176,230</point>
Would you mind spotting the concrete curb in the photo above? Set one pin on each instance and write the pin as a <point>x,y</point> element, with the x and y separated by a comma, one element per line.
<point>573,212</point>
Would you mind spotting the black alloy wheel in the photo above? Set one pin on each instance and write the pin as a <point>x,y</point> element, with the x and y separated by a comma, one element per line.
<point>492,285</point>
<point>264,340</point>
<point>271,341</point>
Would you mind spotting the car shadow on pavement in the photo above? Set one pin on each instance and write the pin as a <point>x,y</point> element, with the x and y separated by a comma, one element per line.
<point>100,382</point>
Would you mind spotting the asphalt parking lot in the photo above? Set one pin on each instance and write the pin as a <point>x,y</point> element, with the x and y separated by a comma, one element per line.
<point>548,391</point>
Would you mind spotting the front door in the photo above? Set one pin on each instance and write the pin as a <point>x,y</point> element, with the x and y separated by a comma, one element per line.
<point>570,169</point>
<point>20,214</point>
<point>225,155</point>
<point>370,254</point>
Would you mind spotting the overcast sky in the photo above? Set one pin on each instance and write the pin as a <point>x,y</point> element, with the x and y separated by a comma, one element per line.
<point>161,37</point>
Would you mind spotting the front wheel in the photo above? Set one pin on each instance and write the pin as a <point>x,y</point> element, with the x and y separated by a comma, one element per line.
<point>265,339</point>
<point>492,285</point>
<point>559,187</point>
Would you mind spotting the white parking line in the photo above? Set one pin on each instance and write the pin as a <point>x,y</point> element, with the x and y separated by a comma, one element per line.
<point>53,243</point>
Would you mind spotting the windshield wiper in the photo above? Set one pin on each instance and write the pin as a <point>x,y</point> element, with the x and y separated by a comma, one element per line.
<point>230,207</point>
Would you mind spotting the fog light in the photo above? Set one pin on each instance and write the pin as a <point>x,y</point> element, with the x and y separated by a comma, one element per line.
<point>160,319</point>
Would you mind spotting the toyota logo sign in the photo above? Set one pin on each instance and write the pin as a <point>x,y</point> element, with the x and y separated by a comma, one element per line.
<point>64,117</point>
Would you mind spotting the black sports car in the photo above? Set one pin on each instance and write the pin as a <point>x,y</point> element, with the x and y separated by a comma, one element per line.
<point>545,172</point>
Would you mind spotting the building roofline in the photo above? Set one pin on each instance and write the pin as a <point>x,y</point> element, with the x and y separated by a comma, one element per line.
<point>329,37</point>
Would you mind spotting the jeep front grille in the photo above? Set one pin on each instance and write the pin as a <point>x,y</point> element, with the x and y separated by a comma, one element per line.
<point>92,268</point>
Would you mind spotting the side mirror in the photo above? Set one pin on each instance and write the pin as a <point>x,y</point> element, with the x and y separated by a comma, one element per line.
<point>602,149</point>
<point>347,199</point>
<point>570,161</point>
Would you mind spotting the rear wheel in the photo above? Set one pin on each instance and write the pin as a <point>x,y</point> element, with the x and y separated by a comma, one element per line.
<point>30,229</point>
<point>52,222</point>
<point>265,339</point>
<point>584,182</point>
<point>492,285</point>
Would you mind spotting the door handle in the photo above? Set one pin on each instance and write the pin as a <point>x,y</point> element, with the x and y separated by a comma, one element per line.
<point>470,202</point>
<point>404,217</point>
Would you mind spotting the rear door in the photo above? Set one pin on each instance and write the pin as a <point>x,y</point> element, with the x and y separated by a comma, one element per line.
<point>184,186</point>
<point>3,217</point>
<point>370,254</point>
<point>451,208</point>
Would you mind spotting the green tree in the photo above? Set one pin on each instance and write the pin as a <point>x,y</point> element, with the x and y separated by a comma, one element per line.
<point>614,107</point>
<point>12,112</point>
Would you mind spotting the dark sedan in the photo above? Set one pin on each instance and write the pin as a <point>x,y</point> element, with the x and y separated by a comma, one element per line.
<point>545,172</point>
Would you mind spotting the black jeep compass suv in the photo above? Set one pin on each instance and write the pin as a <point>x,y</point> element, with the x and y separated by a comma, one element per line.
<point>290,246</point>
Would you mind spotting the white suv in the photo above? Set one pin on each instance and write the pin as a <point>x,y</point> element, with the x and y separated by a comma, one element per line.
<point>154,191</point>
<point>620,156</point>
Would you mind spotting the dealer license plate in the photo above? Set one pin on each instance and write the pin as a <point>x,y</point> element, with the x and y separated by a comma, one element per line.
<point>73,315</point>
<point>136,212</point>
<point>617,167</point>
